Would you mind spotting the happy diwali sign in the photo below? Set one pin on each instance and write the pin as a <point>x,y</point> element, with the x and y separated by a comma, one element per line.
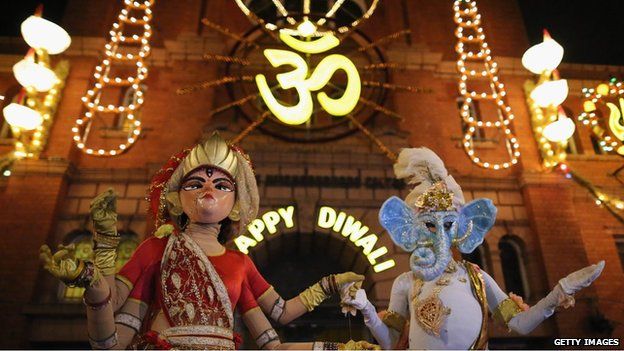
<point>337,222</point>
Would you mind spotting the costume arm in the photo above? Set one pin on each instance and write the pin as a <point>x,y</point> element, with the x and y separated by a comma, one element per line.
<point>282,311</point>
<point>522,319</point>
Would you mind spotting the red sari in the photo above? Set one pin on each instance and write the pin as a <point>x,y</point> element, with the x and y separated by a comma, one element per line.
<point>198,294</point>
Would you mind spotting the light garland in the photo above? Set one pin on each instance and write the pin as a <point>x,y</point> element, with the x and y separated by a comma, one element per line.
<point>610,130</point>
<point>114,55</point>
<point>322,20</point>
<point>467,19</point>
<point>540,118</point>
<point>614,205</point>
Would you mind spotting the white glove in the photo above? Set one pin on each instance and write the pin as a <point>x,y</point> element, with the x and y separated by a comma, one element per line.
<point>561,295</point>
<point>581,279</point>
<point>379,330</point>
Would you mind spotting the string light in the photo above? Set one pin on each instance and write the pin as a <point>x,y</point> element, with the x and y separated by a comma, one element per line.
<point>610,128</point>
<point>611,203</point>
<point>470,33</point>
<point>322,20</point>
<point>135,15</point>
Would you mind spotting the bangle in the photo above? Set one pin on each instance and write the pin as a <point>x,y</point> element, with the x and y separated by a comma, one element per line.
<point>104,344</point>
<point>324,283</point>
<point>86,277</point>
<point>334,285</point>
<point>98,305</point>
<point>105,240</point>
<point>328,345</point>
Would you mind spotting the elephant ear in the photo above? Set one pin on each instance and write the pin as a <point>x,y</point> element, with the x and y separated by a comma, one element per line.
<point>476,218</point>
<point>399,221</point>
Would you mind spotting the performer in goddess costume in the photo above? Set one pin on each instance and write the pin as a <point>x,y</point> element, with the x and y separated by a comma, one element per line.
<point>181,286</point>
<point>440,303</point>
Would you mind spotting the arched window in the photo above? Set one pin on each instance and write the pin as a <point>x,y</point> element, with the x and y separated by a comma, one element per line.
<point>83,241</point>
<point>480,256</point>
<point>514,270</point>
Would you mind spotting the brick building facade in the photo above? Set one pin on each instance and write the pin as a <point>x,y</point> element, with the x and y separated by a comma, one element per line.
<point>553,223</point>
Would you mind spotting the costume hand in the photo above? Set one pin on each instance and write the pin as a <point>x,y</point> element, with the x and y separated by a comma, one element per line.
<point>359,301</point>
<point>103,212</point>
<point>358,345</point>
<point>582,278</point>
<point>62,264</point>
<point>344,279</point>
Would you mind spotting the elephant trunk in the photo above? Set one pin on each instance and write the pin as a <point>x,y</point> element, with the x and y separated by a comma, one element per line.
<point>428,263</point>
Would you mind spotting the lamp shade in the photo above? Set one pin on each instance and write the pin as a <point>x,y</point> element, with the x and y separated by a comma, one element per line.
<point>31,74</point>
<point>559,130</point>
<point>22,117</point>
<point>40,33</point>
<point>550,93</point>
<point>545,56</point>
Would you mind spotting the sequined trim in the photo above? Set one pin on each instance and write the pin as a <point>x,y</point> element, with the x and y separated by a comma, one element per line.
<point>200,330</point>
<point>201,342</point>
<point>196,258</point>
<point>278,309</point>
<point>266,337</point>
<point>129,321</point>
<point>105,344</point>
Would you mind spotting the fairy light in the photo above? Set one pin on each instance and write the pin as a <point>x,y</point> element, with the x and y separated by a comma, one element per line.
<point>607,127</point>
<point>135,14</point>
<point>470,33</point>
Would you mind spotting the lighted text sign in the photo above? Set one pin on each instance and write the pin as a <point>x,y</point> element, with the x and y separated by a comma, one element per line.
<point>305,83</point>
<point>328,218</point>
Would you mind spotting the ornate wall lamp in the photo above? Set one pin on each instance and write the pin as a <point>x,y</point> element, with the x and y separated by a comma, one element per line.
<point>552,128</point>
<point>31,112</point>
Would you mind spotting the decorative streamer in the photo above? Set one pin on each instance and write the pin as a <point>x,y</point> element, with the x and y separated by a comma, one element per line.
<point>468,20</point>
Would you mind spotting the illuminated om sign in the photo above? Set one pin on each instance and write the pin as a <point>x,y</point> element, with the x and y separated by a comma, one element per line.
<point>610,131</point>
<point>615,119</point>
<point>304,85</point>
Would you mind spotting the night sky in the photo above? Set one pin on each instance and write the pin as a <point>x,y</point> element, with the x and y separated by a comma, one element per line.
<point>590,31</point>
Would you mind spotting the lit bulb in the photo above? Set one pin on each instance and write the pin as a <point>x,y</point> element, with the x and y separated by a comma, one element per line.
<point>306,28</point>
<point>40,33</point>
<point>551,93</point>
<point>560,130</point>
<point>20,116</point>
<point>543,57</point>
<point>33,75</point>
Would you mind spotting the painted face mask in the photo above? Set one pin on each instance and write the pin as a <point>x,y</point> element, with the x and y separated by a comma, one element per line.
<point>434,217</point>
<point>429,235</point>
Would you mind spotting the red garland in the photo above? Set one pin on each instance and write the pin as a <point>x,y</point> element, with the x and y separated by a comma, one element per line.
<point>157,185</point>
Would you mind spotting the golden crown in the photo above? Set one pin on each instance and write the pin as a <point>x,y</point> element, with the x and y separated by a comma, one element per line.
<point>214,152</point>
<point>436,198</point>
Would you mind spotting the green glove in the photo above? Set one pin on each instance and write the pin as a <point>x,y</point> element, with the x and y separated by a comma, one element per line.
<point>63,266</point>
<point>106,238</point>
<point>104,215</point>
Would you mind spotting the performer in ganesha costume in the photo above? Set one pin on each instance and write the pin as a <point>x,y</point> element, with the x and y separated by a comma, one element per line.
<point>181,286</point>
<point>440,303</point>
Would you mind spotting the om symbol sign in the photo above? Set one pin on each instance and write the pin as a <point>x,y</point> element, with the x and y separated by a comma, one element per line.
<point>304,85</point>
<point>616,119</point>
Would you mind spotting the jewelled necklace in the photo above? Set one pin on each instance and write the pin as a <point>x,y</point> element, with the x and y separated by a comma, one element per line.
<point>431,312</point>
